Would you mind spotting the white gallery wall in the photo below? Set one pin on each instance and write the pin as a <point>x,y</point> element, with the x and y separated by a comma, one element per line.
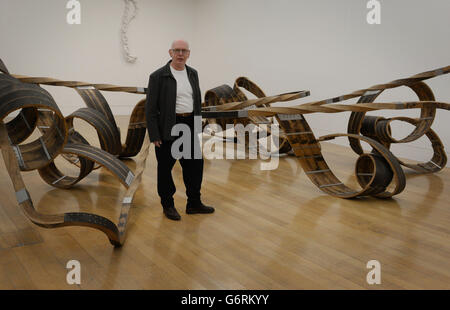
<point>324,46</point>
<point>36,40</point>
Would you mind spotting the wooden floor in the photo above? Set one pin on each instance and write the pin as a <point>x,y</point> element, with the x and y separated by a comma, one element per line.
<point>271,230</point>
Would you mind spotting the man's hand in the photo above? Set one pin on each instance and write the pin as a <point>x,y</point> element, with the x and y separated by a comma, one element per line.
<point>157,143</point>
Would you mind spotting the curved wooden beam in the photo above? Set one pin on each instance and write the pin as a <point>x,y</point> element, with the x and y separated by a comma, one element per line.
<point>378,173</point>
<point>374,171</point>
<point>58,137</point>
<point>77,84</point>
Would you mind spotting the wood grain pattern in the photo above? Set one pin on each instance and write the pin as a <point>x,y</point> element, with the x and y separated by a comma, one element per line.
<point>374,170</point>
<point>378,173</point>
<point>58,137</point>
<point>271,230</point>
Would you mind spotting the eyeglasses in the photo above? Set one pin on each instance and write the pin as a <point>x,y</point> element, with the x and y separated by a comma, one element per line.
<point>179,50</point>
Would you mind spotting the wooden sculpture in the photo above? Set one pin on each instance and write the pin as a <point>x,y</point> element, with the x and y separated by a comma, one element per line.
<point>224,94</point>
<point>59,137</point>
<point>379,172</point>
<point>375,171</point>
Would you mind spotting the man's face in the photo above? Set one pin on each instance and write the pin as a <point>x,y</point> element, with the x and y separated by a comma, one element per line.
<point>179,53</point>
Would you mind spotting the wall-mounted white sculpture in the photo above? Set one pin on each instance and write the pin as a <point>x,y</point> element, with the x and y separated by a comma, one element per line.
<point>126,20</point>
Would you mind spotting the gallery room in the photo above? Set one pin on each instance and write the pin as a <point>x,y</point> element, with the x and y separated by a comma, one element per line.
<point>224,145</point>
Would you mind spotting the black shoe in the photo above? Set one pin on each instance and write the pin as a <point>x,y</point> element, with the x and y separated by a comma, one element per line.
<point>198,208</point>
<point>172,213</point>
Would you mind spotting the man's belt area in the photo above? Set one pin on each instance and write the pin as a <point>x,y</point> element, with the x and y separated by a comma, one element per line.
<point>185,114</point>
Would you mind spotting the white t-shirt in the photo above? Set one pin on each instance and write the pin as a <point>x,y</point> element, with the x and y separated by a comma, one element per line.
<point>185,101</point>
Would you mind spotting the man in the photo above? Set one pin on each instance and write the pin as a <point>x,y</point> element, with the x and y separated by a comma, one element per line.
<point>174,97</point>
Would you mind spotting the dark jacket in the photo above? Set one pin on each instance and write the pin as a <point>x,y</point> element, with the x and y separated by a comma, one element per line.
<point>161,101</point>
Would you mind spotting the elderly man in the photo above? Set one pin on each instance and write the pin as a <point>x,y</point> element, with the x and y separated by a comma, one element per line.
<point>174,97</point>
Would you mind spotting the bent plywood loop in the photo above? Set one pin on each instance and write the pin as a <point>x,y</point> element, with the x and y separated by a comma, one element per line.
<point>74,84</point>
<point>37,109</point>
<point>129,195</point>
<point>16,96</point>
<point>427,115</point>
<point>379,172</point>
<point>45,220</point>
<point>225,98</point>
<point>439,158</point>
<point>3,67</point>
<point>137,129</point>
<point>307,149</point>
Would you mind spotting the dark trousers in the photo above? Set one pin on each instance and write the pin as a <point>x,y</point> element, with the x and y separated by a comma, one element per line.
<point>192,168</point>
